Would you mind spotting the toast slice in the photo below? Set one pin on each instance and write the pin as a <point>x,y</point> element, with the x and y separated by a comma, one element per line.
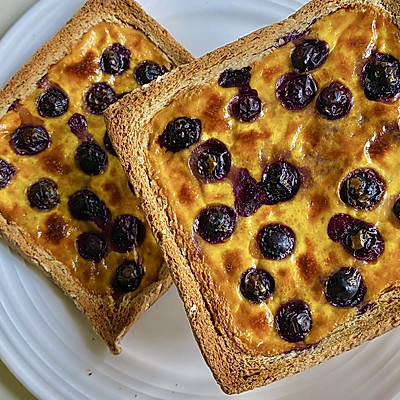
<point>65,202</point>
<point>268,172</point>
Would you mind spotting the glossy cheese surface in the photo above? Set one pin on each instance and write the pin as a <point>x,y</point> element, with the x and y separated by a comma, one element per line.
<point>56,230</point>
<point>324,151</point>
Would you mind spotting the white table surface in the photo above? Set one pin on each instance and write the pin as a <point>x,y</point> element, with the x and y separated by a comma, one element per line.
<point>10,388</point>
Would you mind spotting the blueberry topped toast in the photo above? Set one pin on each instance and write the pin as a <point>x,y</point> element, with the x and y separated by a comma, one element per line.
<point>65,201</point>
<point>271,185</point>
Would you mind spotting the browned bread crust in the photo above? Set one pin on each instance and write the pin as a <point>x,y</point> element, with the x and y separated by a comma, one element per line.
<point>129,126</point>
<point>110,320</point>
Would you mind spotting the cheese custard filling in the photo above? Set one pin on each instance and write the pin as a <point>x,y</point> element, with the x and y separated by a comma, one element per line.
<point>284,175</point>
<point>60,179</point>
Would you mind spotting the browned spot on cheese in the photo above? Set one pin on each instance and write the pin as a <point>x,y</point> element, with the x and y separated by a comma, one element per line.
<point>86,67</point>
<point>187,194</point>
<point>270,71</point>
<point>113,192</point>
<point>53,163</point>
<point>232,260</point>
<point>258,322</point>
<point>55,228</point>
<point>27,118</point>
<point>250,140</point>
<point>307,266</point>
<point>213,118</point>
<point>317,204</point>
<point>282,273</point>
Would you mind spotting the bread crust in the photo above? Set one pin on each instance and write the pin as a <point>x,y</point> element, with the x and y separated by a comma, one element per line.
<point>111,320</point>
<point>129,125</point>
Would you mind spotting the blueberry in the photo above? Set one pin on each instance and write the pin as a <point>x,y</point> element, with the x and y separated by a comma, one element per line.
<point>127,232</point>
<point>276,241</point>
<point>127,277</point>
<point>52,103</point>
<point>257,285</point>
<point>235,77</point>
<point>30,140</point>
<point>338,226</point>
<point>215,224</point>
<point>84,205</point>
<point>245,106</point>
<point>91,158</point>
<point>334,101</point>
<point>98,97</point>
<point>396,208</point>
<point>115,59</point>
<point>147,71</point>
<point>296,92</point>
<point>362,189</point>
<point>91,246</point>
<point>293,321</point>
<point>381,77</point>
<point>281,181</point>
<point>309,55</point>
<point>249,194</point>
<point>108,145</point>
<point>43,195</point>
<point>360,239</point>
<point>345,288</point>
<point>78,125</point>
<point>180,134</point>
<point>7,172</point>
<point>211,161</point>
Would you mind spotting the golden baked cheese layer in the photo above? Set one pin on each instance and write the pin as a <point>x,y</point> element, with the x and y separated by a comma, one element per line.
<point>52,225</point>
<point>324,152</point>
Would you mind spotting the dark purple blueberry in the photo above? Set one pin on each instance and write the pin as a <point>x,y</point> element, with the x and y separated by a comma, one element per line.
<point>309,55</point>
<point>235,77</point>
<point>396,208</point>
<point>43,195</point>
<point>296,91</point>
<point>91,158</point>
<point>147,71</point>
<point>334,101</point>
<point>245,106</point>
<point>78,125</point>
<point>7,172</point>
<point>30,140</point>
<point>381,77</point>
<point>249,194</point>
<point>276,241</point>
<point>281,181</point>
<point>362,189</point>
<point>338,226</point>
<point>180,134</point>
<point>361,239</point>
<point>211,161</point>
<point>84,205</point>
<point>256,285</point>
<point>108,145</point>
<point>127,233</point>
<point>345,288</point>
<point>52,103</point>
<point>91,246</point>
<point>127,277</point>
<point>215,224</point>
<point>115,59</point>
<point>293,321</point>
<point>98,97</point>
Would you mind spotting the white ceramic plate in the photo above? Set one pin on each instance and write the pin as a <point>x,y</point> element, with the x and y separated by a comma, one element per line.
<point>52,349</point>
